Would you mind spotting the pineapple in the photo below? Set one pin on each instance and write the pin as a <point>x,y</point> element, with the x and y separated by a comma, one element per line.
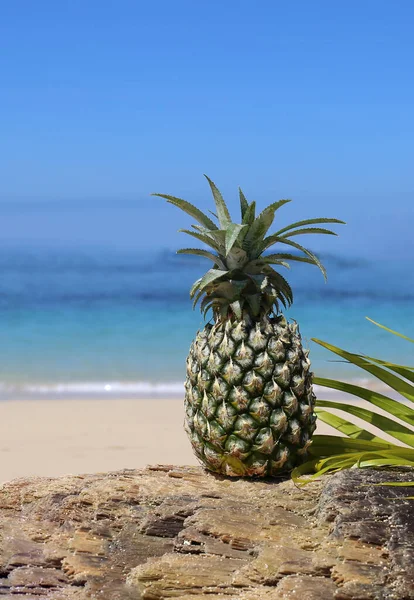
<point>249,401</point>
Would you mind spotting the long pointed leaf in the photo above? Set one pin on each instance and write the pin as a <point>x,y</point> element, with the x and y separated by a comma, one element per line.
<point>190,209</point>
<point>194,289</point>
<point>328,445</point>
<point>205,302</point>
<point>197,252</point>
<point>386,461</point>
<point>309,230</point>
<point>257,263</point>
<point>209,303</point>
<point>346,427</point>
<point>232,233</point>
<point>391,330</point>
<point>244,205</point>
<point>396,383</point>
<point>280,282</point>
<point>287,256</point>
<point>390,483</point>
<point>203,237</point>
<point>309,222</point>
<point>392,428</point>
<point>249,215</point>
<point>197,297</point>
<point>262,223</point>
<point>395,408</point>
<point>406,372</point>
<point>207,308</point>
<point>386,363</point>
<point>219,236</point>
<point>320,468</point>
<point>211,276</point>
<point>222,210</point>
<point>269,241</point>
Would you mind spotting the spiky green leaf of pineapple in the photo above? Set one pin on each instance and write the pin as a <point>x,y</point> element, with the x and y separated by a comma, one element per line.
<point>249,400</point>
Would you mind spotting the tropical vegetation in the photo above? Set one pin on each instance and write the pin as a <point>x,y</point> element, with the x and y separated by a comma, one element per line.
<point>249,398</point>
<point>359,447</point>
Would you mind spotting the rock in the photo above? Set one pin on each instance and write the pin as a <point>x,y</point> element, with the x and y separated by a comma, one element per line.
<point>37,577</point>
<point>180,532</point>
<point>306,588</point>
<point>383,520</point>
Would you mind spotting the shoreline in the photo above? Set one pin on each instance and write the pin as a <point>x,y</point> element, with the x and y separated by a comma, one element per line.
<point>139,390</point>
<point>44,438</point>
<point>78,435</point>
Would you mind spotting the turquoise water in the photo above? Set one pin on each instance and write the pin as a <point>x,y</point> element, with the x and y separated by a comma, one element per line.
<point>120,322</point>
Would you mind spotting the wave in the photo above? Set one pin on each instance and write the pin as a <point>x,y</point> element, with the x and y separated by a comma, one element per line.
<point>138,389</point>
<point>133,390</point>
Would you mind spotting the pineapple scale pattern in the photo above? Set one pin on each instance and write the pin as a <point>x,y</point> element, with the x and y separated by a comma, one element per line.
<point>249,400</point>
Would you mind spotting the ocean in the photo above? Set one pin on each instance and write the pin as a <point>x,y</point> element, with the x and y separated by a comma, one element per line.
<point>107,322</point>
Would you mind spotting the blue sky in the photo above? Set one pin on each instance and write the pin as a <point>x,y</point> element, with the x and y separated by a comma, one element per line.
<point>104,102</point>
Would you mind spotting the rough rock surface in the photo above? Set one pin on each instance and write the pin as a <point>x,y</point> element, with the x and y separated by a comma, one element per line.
<point>179,532</point>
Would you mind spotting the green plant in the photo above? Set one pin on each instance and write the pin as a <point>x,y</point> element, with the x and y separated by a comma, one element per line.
<point>248,394</point>
<point>362,448</point>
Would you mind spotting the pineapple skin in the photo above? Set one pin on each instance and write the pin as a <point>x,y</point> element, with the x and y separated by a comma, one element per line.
<point>249,400</point>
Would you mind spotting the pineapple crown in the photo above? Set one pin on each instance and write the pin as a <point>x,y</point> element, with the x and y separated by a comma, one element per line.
<point>242,281</point>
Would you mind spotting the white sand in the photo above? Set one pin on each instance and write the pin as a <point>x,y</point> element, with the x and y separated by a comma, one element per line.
<point>57,437</point>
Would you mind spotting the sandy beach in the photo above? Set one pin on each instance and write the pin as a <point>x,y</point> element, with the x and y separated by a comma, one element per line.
<point>52,438</point>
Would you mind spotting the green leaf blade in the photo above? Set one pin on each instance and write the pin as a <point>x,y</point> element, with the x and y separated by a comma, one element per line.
<point>310,254</point>
<point>249,215</point>
<point>232,233</point>
<point>389,426</point>
<point>393,407</point>
<point>204,253</point>
<point>346,427</point>
<point>262,224</point>
<point>396,383</point>
<point>244,205</point>
<point>308,230</point>
<point>318,221</point>
<point>391,330</point>
<point>222,210</point>
<point>202,237</point>
<point>211,276</point>
<point>190,209</point>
